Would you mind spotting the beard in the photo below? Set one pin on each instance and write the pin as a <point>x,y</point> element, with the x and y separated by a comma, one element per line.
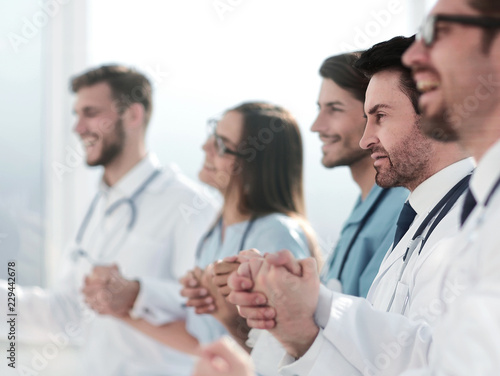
<point>408,162</point>
<point>442,126</point>
<point>112,145</point>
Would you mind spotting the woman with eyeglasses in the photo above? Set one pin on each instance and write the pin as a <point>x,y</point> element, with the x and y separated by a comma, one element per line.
<point>253,156</point>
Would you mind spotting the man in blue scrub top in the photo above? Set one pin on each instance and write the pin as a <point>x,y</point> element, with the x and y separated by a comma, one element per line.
<point>369,231</point>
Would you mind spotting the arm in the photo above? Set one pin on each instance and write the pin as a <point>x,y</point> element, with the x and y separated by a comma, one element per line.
<point>44,313</point>
<point>172,334</point>
<point>226,313</point>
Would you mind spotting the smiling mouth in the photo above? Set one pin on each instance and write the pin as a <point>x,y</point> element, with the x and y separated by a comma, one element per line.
<point>329,140</point>
<point>89,141</point>
<point>427,86</point>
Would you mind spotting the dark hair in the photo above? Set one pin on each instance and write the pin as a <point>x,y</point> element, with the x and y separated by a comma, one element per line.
<point>387,56</point>
<point>490,8</point>
<point>127,86</point>
<point>270,179</point>
<point>340,69</point>
<point>487,7</point>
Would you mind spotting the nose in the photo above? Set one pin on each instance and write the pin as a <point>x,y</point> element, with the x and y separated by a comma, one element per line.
<point>319,123</point>
<point>369,138</point>
<point>416,54</point>
<point>79,126</point>
<point>208,145</point>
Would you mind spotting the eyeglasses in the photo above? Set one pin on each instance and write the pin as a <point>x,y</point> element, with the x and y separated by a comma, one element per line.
<point>427,32</point>
<point>218,141</point>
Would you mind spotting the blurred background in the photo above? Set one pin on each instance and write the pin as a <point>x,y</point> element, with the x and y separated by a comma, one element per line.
<point>202,56</point>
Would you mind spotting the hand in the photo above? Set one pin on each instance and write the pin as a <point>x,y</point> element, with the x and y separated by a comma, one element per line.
<point>253,304</point>
<point>294,299</point>
<point>225,358</point>
<point>198,295</point>
<point>107,292</point>
<point>222,270</point>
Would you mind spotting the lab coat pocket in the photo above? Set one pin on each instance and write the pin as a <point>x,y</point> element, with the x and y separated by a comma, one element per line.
<point>400,298</point>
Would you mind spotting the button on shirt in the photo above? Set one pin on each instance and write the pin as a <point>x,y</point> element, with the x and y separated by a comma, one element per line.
<point>172,214</point>
<point>467,339</point>
<point>358,333</point>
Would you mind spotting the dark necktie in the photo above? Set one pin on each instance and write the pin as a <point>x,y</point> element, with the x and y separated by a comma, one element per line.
<point>405,219</point>
<point>469,204</point>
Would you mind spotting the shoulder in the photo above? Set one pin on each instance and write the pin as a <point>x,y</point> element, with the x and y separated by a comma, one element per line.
<point>277,222</point>
<point>275,232</point>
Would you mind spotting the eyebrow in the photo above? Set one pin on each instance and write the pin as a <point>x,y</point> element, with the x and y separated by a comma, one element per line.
<point>86,109</point>
<point>226,140</point>
<point>378,107</point>
<point>331,104</point>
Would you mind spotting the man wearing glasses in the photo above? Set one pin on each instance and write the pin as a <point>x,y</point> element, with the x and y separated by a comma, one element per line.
<point>456,65</point>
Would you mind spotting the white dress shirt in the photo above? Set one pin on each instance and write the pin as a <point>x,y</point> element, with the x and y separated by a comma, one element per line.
<point>467,338</point>
<point>370,336</point>
<point>172,214</point>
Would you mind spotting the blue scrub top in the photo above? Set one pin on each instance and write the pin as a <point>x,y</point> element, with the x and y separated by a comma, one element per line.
<point>371,245</point>
<point>270,234</point>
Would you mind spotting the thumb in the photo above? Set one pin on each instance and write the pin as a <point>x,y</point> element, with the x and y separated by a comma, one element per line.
<point>309,267</point>
<point>286,259</point>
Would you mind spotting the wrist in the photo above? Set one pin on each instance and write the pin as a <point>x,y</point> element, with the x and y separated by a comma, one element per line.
<point>299,345</point>
<point>133,288</point>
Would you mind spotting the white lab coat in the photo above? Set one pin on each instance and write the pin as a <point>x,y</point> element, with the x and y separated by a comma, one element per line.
<point>467,338</point>
<point>172,214</point>
<point>358,336</point>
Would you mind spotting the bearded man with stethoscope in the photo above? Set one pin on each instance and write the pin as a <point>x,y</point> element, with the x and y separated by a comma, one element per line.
<point>145,220</point>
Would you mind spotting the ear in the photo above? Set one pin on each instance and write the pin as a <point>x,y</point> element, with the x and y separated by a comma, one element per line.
<point>134,115</point>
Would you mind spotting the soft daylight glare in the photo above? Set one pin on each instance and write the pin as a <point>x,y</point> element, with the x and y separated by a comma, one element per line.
<point>205,56</point>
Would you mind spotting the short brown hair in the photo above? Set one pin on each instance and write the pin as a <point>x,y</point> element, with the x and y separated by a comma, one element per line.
<point>127,86</point>
<point>340,69</point>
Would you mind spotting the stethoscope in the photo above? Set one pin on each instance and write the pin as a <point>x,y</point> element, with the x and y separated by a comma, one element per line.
<point>442,207</point>
<point>361,225</point>
<point>130,201</point>
<point>210,232</point>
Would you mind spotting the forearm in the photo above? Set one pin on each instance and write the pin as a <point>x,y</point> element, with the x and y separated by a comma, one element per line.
<point>45,313</point>
<point>239,330</point>
<point>173,334</point>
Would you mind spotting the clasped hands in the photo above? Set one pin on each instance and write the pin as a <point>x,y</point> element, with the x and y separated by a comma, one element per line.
<point>278,293</point>
<point>107,292</point>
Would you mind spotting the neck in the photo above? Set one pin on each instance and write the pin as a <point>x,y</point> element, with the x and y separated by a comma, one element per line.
<point>442,156</point>
<point>363,173</point>
<point>121,165</point>
<point>477,140</point>
<point>230,212</point>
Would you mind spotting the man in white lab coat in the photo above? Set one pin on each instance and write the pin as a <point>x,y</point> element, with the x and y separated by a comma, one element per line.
<point>145,220</point>
<point>456,64</point>
<point>335,334</point>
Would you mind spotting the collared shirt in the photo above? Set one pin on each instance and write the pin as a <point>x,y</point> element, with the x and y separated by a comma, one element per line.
<point>360,334</point>
<point>371,244</point>
<point>467,339</point>
<point>172,213</point>
<point>268,234</point>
